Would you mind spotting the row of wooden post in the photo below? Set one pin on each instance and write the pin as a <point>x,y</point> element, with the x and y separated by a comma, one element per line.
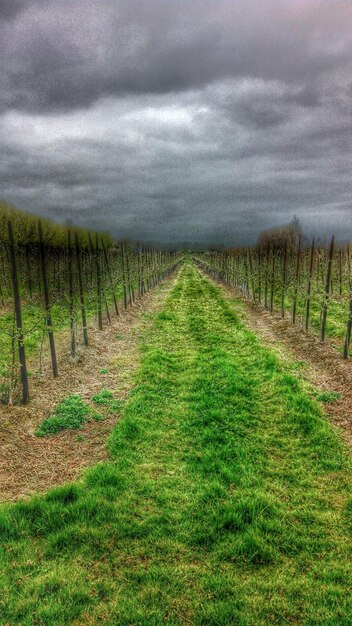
<point>221,271</point>
<point>73,248</point>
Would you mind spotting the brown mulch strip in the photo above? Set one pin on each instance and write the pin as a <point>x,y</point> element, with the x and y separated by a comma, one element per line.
<point>325,369</point>
<point>29,464</point>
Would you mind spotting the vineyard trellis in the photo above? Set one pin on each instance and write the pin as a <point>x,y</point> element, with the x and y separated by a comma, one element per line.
<point>309,284</point>
<point>54,277</point>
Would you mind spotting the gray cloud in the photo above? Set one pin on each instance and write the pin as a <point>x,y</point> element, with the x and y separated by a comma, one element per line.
<point>193,119</point>
<point>57,59</point>
<point>9,9</point>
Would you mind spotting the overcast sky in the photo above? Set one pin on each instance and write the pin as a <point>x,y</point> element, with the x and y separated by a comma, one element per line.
<point>174,120</point>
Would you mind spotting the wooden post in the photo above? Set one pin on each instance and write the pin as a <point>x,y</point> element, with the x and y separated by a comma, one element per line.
<point>139,271</point>
<point>129,286</point>
<point>272,281</point>
<point>142,272</point>
<point>107,309</point>
<point>346,349</point>
<point>95,257</point>
<point>246,274</point>
<point>147,265</point>
<point>47,301</point>
<point>259,275</point>
<point>251,273</point>
<point>327,288</point>
<point>58,272</point>
<point>108,271</point>
<point>18,315</point>
<point>294,303</point>
<point>309,284</point>
<point>283,289</point>
<point>81,292</point>
<point>349,269</point>
<point>97,265</point>
<point>124,275</point>
<point>29,279</point>
<point>267,256</point>
<point>1,291</point>
<point>71,294</point>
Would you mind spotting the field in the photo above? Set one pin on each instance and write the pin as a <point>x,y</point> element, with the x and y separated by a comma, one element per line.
<point>175,313</point>
<point>225,498</point>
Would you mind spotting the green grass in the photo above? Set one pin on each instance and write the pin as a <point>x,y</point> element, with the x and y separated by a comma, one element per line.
<point>328,397</point>
<point>226,501</point>
<point>70,413</point>
<point>97,417</point>
<point>103,398</point>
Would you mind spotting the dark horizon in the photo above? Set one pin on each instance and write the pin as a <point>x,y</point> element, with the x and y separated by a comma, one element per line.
<point>192,243</point>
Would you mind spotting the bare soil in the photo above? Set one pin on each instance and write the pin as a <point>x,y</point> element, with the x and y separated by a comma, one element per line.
<point>29,464</point>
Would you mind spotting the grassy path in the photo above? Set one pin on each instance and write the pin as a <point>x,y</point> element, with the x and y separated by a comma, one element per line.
<point>225,503</point>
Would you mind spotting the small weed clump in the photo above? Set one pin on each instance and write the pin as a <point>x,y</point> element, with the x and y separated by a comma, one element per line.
<point>71,413</point>
<point>328,397</point>
<point>97,417</point>
<point>103,398</point>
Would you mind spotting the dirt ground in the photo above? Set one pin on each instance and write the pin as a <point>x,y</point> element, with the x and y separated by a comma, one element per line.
<point>31,464</point>
<point>324,368</point>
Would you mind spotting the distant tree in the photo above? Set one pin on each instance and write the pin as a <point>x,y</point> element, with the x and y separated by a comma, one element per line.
<point>277,236</point>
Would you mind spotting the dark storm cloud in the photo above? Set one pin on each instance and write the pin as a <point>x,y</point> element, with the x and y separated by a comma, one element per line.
<point>59,57</point>
<point>179,120</point>
<point>10,8</point>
